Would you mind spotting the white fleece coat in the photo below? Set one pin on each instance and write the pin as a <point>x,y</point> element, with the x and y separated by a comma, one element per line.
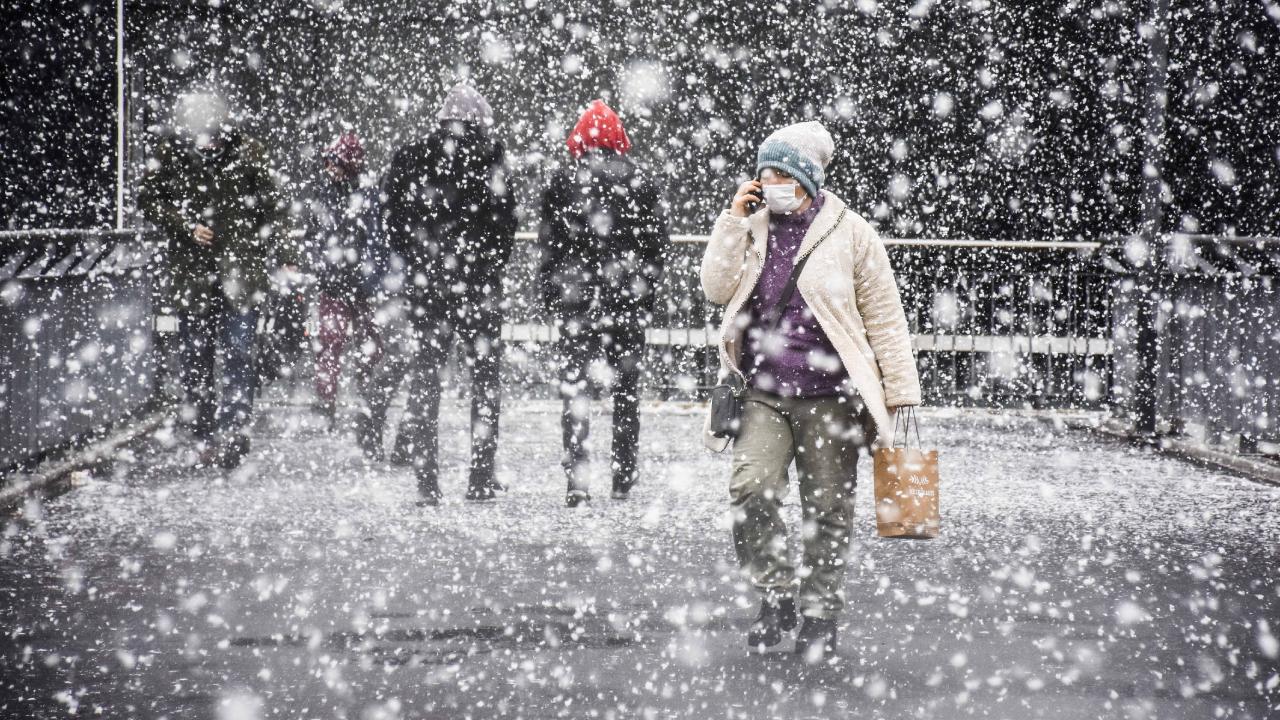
<point>848,286</point>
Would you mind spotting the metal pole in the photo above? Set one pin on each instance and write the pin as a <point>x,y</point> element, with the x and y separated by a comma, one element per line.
<point>1154,30</point>
<point>120,118</point>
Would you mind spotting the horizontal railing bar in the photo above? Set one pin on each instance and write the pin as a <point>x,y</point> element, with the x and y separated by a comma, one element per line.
<point>1020,344</point>
<point>1010,244</point>
<point>525,235</point>
<point>53,233</point>
<point>683,238</point>
<point>701,337</point>
<point>1201,237</point>
<point>1228,239</point>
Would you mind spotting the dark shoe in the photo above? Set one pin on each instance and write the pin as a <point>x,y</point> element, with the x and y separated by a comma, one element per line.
<point>622,490</point>
<point>484,491</point>
<point>369,437</point>
<point>234,452</point>
<point>401,452</point>
<point>428,491</point>
<point>227,454</point>
<point>578,472</point>
<point>773,620</point>
<point>483,486</point>
<point>816,641</point>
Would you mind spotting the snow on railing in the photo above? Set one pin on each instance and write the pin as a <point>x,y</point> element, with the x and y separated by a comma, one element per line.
<point>60,252</point>
<point>1017,315</point>
<point>529,236</point>
<point>76,336</point>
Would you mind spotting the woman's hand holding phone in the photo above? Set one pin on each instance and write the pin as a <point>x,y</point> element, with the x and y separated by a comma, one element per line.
<point>748,199</point>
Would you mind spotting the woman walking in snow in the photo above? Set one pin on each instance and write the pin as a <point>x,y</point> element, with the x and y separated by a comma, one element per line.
<point>826,361</point>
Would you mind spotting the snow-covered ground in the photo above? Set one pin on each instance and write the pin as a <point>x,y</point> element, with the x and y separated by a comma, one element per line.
<point>1075,578</point>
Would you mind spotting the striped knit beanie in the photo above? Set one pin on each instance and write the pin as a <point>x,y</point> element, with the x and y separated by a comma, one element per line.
<point>803,151</point>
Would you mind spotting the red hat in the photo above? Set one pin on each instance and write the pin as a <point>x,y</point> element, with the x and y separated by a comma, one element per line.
<point>346,152</point>
<point>599,127</point>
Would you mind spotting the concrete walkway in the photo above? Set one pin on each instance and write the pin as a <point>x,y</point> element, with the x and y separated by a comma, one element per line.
<point>1075,578</point>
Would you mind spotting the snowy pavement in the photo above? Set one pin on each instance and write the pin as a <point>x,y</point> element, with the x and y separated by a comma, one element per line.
<point>1075,578</point>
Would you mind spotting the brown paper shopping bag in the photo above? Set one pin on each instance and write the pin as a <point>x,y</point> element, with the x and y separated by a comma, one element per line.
<point>906,485</point>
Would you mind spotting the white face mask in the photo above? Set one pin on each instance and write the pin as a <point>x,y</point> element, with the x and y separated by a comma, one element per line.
<point>781,198</point>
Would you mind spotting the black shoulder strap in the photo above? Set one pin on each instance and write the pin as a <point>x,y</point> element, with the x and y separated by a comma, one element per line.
<point>774,316</point>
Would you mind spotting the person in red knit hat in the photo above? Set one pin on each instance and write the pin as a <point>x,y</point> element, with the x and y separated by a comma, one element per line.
<point>602,239</point>
<point>599,128</point>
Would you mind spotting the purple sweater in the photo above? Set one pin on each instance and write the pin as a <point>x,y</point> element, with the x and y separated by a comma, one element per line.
<point>797,360</point>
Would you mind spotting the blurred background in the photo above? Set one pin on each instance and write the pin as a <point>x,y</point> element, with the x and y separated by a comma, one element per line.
<point>1080,197</point>
<point>959,120</point>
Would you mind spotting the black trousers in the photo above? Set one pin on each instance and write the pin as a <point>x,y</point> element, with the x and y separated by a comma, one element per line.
<point>477,333</point>
<point>580,343</point>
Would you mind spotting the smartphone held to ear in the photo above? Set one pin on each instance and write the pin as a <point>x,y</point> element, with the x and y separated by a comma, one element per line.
<point>754,205</point>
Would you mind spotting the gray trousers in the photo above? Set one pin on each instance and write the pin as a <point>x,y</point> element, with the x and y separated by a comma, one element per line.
<point>823,436</point>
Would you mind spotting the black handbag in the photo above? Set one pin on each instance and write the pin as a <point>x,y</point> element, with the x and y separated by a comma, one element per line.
<point>728,397</point>
<point>726,406</point>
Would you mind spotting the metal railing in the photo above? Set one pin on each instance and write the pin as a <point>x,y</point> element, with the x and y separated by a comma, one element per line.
<point>1004,323</point>
<point>75,336</point>
<point>1196,340</point>
<point>993,322</point>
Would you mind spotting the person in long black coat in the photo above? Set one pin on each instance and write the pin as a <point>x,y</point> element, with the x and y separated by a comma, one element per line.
<point>451,220</point>
<point>602,241</point>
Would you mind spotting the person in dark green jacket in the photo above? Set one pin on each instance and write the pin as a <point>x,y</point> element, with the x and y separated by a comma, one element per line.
<point>212,196</point>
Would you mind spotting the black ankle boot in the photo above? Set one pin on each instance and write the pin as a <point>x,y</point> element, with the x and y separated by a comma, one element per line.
<point>480,493</point>
<point>816,641</point>
<point>574,498</point>
<point>622,484</point>
<point>233,452</point>
<point>576,472</point>
<point>428,491</point>
<point>486,489</point>
<point>773,620</point>
<point>369,436</point>
<point>482,484</point>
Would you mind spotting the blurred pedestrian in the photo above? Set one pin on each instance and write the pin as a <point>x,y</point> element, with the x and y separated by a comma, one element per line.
<point>602,240</point>
<point>826,359</point>
<point>210,191</point>
<point>451,219</point>
<point>348,256</point>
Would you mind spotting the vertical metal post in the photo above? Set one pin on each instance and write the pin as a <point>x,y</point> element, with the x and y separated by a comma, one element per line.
<point>120,116</point>
<point>1154,31</point>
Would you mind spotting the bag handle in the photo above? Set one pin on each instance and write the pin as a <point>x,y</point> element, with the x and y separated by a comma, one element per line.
<point>774,317</point>
<point>736,384</point>
<point>905,416</point>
